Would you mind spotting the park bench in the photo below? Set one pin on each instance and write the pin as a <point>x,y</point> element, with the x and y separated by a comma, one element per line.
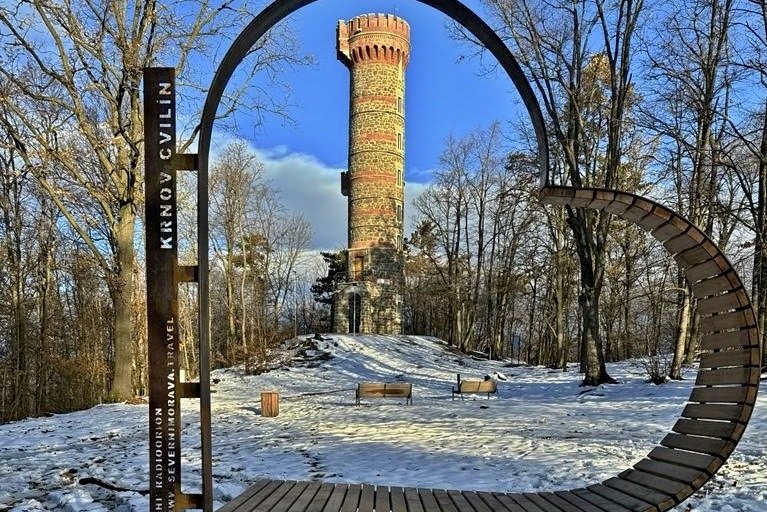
<point>385,390</point>
<point>466,386</point>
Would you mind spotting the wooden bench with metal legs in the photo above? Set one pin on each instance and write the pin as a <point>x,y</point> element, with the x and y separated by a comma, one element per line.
<point>707,432</point>
<point>475,386</point>
<point>384,390</point>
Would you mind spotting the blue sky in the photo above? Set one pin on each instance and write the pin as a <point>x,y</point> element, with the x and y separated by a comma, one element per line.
<point>445,96</point>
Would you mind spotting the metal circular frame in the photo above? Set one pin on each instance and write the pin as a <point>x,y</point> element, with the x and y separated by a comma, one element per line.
<point>676,468</point>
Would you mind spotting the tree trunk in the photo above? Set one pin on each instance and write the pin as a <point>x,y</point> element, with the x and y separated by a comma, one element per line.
<point>593,359</point>
<point>682,333</point>
<point>122,292</point>
<point>559,301</point>
<point>596,371</point>
<point>759,287</point>
<point>692,340</point>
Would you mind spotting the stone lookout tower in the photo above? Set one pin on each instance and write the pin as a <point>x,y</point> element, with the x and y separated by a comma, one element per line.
<point>376,49</point>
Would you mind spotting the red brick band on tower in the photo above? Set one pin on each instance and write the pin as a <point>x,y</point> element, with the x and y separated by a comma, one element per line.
<point>376,49</point>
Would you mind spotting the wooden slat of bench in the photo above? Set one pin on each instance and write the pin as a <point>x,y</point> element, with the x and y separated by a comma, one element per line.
<point>272,488</point>
<point>720,429</point>
<point>260,488</point>
<point>639,209</point>
<point>276,496</point>
<point>281,501</point>
<point>673,228</point>
<point>741,338</point>
<point>476,501</point>
<point>428,500</point>
<point>738,357</point>
<point>382,501</point>
<point>719,447</point>
<point>508,502</point>
<point>620,204</point>
<point>728,376</point>
<point>699,254</point>
<point>722,282</point>
<point>367,498</point>
<point>680,243</point>
<point>635,496</point>
<point>657,217</point>
<point>602,198</point>
<point>389,389</point>
<point>705,269</point>
<point>541,503</point>
<point>726,321</point>
<point>707,463</point>
<point>600,501</point>
<point>352,499</point>
<point>305,498</point>
<point>577,501</point>
<point>461,502</point>
<point>676,490</point>
<point>723,303</point>
<point>478,386</point>
<point>413,500</point>
<point>721,412</point>
<point>582,198</point>
<point>336,498</point>
<point>322,496</point>
<point>445,503</point>
<point>694,477</point>
<point>559,503</point>
<point>397,497</point>
<point>492,501</point>
<point>726,394</point>
<point>558,196</point>
<point>526,503</point>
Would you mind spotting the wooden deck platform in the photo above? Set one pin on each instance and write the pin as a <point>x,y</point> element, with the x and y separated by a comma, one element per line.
<point>290,496</point>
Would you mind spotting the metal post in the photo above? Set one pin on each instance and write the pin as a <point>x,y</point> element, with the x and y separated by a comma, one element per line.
<point>295,312</point>
<point>166,387</point>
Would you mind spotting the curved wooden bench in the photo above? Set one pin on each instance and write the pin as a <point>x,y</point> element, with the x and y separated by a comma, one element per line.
<point>707,432</point>
<point>723,398</point>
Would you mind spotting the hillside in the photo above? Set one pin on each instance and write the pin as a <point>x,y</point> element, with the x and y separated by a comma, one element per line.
<point>542,431</point>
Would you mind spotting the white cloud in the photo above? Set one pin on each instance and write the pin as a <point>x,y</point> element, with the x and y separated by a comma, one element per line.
<point>307,185</point>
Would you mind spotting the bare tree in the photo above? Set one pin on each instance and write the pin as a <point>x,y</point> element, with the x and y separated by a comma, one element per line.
<point>71,73</point>
<point>749,158</point>
<point>585,93</point>
<point>690,61</point>
<point>236,184</point>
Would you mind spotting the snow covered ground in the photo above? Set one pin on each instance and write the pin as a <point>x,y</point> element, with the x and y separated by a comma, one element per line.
<point>541,432</point>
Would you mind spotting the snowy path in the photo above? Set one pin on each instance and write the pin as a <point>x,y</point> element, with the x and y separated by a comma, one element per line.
<point>542,432</point>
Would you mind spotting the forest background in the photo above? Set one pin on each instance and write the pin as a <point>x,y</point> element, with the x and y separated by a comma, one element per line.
<point>665,99</point>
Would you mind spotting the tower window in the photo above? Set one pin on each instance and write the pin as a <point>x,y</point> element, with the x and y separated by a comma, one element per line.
<point>399,176</point>
<point>399,104</point>
<point>399,141</point>
<point>399,213</point>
